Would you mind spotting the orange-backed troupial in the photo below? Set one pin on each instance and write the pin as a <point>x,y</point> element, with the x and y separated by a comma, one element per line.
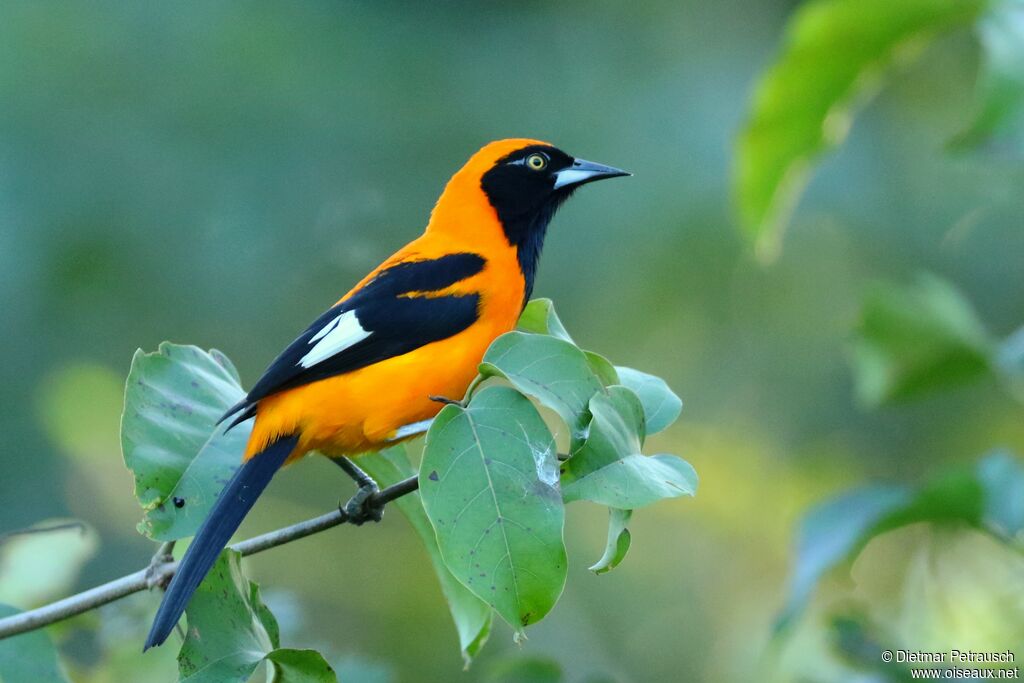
<point>363,374</point>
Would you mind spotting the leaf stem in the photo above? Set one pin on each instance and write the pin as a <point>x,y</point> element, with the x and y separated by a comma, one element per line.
<point>161,571</point>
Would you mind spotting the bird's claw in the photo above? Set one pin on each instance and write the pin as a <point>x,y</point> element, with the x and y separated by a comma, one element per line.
<point>360,508</point>
<point>157,573</point>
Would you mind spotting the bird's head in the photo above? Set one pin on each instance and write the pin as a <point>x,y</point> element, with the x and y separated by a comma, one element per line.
<point>523,177</point>
<point>521,182</point>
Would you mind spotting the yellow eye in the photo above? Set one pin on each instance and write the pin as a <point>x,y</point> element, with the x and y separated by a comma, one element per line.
<point>536,162</point>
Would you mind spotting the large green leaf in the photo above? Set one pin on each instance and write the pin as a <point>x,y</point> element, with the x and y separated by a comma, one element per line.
<point>999,125</point>
<point>916,339</point>
<point>551,370</point>
<point>472,615</point>
<point>228,633</point>
<point>834,54</point>
<point>539,317</point>
<point>489,484</point>
<point>181,461</point>
<point>610,469</point>
<point>618,541</point>
<point>29,657</point>
<point>231,632</point>
<point>661,406</point>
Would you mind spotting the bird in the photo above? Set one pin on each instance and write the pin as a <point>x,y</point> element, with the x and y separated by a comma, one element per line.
<point>374,368</point>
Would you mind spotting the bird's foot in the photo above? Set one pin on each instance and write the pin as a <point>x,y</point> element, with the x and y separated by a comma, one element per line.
<point>360,507</point>
<point>159,572</point>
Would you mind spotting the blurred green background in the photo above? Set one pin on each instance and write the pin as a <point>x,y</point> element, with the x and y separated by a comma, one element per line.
<point>219,173</point>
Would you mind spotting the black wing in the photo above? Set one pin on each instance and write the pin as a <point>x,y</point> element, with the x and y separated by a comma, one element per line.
<point>393,314</point>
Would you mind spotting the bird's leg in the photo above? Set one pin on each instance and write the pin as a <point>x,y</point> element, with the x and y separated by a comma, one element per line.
<point>358,508</point>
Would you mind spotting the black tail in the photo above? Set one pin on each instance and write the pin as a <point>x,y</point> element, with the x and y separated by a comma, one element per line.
<point>227,514</point>
<point>242,411</point>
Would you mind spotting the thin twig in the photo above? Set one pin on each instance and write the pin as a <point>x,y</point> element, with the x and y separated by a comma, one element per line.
<point>60,526</point>
<point>160,572</point>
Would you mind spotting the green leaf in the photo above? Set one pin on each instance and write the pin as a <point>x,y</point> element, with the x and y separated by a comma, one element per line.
<point>173,399</point>
<point>28,657</point>
<point>551,370</point>
<point>539,317</point>
<point>829,534</point>
<point>609,468</point>
<point>1000,122</point>
<point>953,496</point>
<point>634,481</point>
<point>618,541</point>
<point>616,430</point>
<point>834,55</point>
<point>606,373</point>
<point>916,339</point>
<point>300,666</point>
<point>489,484</point>
<point>228,635</point>
<point>43,564</point>
<point>661,406</point>
<point>231,632</point>
<point>472,615</point>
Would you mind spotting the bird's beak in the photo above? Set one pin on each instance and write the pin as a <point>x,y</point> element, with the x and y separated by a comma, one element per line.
<point>583,171</point>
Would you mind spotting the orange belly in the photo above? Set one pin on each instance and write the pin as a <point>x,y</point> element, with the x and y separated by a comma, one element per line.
<point>360,411</point>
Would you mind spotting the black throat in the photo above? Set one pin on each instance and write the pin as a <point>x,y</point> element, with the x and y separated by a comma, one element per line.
<point>525,223</point>
<point>526,233</point>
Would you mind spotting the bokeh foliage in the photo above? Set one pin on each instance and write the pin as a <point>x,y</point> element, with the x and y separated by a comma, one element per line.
<point>220,174</point>
<point>847,47</point>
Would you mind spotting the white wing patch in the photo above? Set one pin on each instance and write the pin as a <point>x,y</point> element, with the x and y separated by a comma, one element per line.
<point>413,428</point>
<point>334,337</point>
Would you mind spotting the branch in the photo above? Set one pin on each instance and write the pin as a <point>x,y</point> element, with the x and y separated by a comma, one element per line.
<point>60,526</point>
<point>163,568</point>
